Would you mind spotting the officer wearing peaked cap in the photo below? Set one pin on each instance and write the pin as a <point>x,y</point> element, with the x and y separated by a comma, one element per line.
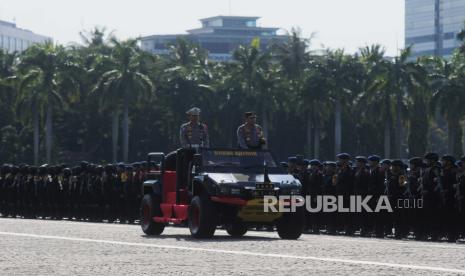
<point>250,134</point>
<point>194,132</point>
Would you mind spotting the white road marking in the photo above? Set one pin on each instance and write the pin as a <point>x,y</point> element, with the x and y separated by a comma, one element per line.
<point>247,253</point>
<point>409,243</point>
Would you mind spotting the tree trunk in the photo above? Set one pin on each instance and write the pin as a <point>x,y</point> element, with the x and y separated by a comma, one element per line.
<point>453,129</point>
<point>399,127</point>
<point>387,138</point>
<point>126,130</point>
<point>337,127</point>
<point>48,129</point>
<point>309,133</point>
<point>265,125</point>
<point>35,123</point>
<point>114,133</point>
<point>317,141</point>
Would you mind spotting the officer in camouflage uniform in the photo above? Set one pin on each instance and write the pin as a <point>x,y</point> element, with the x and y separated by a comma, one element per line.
<point>250,134</point>
<point>194,132</point>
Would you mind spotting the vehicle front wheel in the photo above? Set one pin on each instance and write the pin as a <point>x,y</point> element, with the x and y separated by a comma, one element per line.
<point>291,225</point>
<point>150,207</point>
<point>236,230</point>
<point>203,217</point>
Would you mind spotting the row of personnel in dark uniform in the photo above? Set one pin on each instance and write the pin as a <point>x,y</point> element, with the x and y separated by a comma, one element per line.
<point>427,195</point>
<point>85,192</point>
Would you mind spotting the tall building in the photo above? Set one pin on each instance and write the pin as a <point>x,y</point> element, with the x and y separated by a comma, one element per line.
<point>220,35</point>
<point>431,26</point>
<point>14,39</point>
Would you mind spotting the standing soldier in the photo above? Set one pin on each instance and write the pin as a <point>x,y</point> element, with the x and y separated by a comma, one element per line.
<point>413,193</point>
<point>108,182</point>
<point>376,189</point>
<point>314,189</point>
<point>449,178</point>
<point>250,134</point>
<point>193,132</point>
<point>344,187</point>
<point>396,184</point>
<point>361,177</point>
<point>460,197</point>
<point>431,195</point>
<point>329,188</point>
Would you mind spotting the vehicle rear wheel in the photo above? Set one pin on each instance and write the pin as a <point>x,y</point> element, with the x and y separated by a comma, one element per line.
<point>203,217</point>
<point>150,207</point>
<point>291,225</point>
<point>236,230</point>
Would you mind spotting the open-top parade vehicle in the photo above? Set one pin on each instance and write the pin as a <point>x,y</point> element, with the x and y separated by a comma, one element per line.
<point>206,188</point>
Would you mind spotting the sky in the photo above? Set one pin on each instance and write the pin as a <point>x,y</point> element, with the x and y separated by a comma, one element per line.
<point>347,24</point>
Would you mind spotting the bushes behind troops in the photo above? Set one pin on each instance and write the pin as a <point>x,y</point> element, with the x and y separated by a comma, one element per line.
<point>85,192</point>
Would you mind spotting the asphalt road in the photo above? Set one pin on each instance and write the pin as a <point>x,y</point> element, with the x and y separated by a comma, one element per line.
<point>38,247</point>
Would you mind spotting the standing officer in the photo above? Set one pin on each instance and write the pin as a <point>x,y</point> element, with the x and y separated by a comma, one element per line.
<point>396,184</point>
<point>449,178</point>
<point>361,177</point>
<point>431,188</point>
<point>460,197</point>
<point>344,187</point>
<point>314,189</point>
<point>250,134</point>
<point>376,189</point>
<point>194,132</point>
<point>413,192</point>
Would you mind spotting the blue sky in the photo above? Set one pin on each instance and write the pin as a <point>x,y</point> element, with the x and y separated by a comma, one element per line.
<point>347,24</point>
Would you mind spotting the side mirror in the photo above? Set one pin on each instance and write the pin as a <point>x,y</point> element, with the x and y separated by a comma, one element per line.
<point>197,161</point>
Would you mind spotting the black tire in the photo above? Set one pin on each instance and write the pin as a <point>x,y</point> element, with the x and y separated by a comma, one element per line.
<point>291,225</point>
<point>150,207</point>
<point>236,230</point>
<point>203,217</point>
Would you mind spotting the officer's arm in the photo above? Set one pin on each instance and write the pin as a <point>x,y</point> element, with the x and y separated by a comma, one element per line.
<point>207,137</point>
<point>240,139</point>
<point>182,137</point>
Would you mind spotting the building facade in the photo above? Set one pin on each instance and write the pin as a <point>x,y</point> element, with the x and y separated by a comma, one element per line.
<point>431,26</point>
<point>14,39</point>
<point>219,35</point>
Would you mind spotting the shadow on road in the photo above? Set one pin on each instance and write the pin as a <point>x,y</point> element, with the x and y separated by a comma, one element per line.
<point>213,239</point>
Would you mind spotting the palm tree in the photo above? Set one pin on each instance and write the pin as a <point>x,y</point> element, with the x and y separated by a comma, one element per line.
<point>31,103</point>
<point>294,57</point>
<point>341,74</point>
<point>7,95</point>
<point>53,68</point>
<point>402,76</point>
<point>377,100</point>
<point>122,84</point>
<point>448,86</point>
